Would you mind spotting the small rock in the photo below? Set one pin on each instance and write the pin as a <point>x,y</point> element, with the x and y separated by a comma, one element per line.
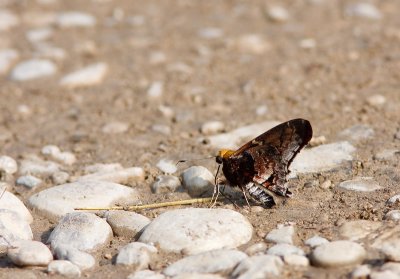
<point>211,127</point>
<point>360,184</point>
<point>197,180</point>
<point>29,253</point>
<point>308,43</point>
<point>216,261</point>
<point>33,69</point>
<point>261,110</point>
<point>156,89</point>
<point>64,268</point>
<point>7,58</point>
<point>39,34</point>
<point>257,248</point>
<point>393,215</point>
<point>355,230</point>
<point>284,249</point>
<point>315,241</point>
<point>127,224</point>
<point>60,177</point>
<point>8,20</point>
<point>88,76</point>
<point>210,33</point>
<point>296,260</point>
<point>361,272</point>
<point>283,234</point>
<point>136,254</point>
<point>394,199</point>
<point>8,165</point>
<point>146,274</point>
<point>315,141</point>
<point>252,43</point>
<point>13,228</point>
<point>165,184</point>
<point>84,231</point>
<point>364,10</point>
<point>38,167</point>
<point>394,267</point>
<point>103,168</point>
<point>338,253</point>
<point>387,154</point>
<point>28,181</point>
<point>81,259</point>
<point>166,111</point>
<point>261,266</point>
<point>178,232</point>
<point>327,184</point>
<point>167,166</point>
<point>115,128</point>
<point>49,51</point>
<point>124,176</point>
<point>11,202</point>
<point>157,57</point>
<point>75,19</point>
<point>198,276</point>
<point>357,133</point>
<point>386,274</point>
<point>278,14</point>
<point>376,100</point>
<point>162,129</point>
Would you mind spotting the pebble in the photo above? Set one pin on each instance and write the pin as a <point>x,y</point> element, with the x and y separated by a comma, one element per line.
<point>386,274</point>
<point>7,59</point>
<point>197,180</point>
<point>136,254</point>
<point>162,129</point>
<point>257,248</point>
<point>212,127</point>
<point>29,253</point>
<point>338,253</point>
<point>123,176</point>
<point>59,177</point>
<point>394,199</point>
<point>283,249</point>
<point>81,259</point>
<point>81,230</point>
<point>278,14</point>
<point>394,267</point>
<point>308,43</point>
<point>357,229</point>
<point>157,57</point>
<point>11,202</point>
<point>327,184</point>
<point>13,228</point>
<point>39,34</point>
<point>55,153</point>
<point>253,44</point>
<point>210,33</point>
<point>315,241</point>
<point>57,201</point>
<point>387,154</point>
<point>388,243</point>
<point>166,111</point>
<point>103,168</point>
<point>178,232</point>
<point>357,133</point>
<point>198,276</point>
<point>64,268</point>
<point>376,100</point>
<point>260,266</point>
<point>88,76</point>
<point>165,184</point>
<point>8,20</point>
<point>360,184</point>
<point>393,215</point>
<point>75,19</point>
<point>216,261</point>
<point>28,181</point>
<point>283,234</point>
<point>126,223</point>
<point>156,89</point>
<point>296,260</point>
<point>322,158</point>
<point>146,274</point>
<point>38,167</point>
<point>363,10</point>
<point>33,69</point>
<point>8,165</point>
<point>261,110</point>
<point>360,272</point>
<point>115,127</point>
<point>46,50</point>
<point>167,166</point>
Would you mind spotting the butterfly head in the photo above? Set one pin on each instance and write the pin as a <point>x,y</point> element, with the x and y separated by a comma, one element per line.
<point>223,154</point>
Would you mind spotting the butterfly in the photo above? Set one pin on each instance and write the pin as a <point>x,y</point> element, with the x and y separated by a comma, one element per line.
<point>263,163</point>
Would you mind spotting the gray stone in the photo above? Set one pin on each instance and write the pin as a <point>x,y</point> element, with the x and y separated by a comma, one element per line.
<point>8,165</point>
<point>33,69</point>
<point>211,127</point>
<point>146,274</point>
<point>258,267</point>
<point>79,258</point>
<point>296,260</point>
<point>126,223</point>
<point>357,229</point>
<point>28,181</point>
<point>38,167</point>
<point>357,133</point>
<point>315,241</point>
<point>388,243</point>
<point>29,253</point>
<point>394,199</point>
<point>387,154</point>
<point>393,215</point>
<point>156,89</point>
<point>60,177</point>
<point>360,184</point>
<point>123,176</point>
<point>64,268</point>
<point>177,231</point>
<point>197,180</point>
<point>84,231</point>
<point>56,154</point>
<point>13,228</point>
<point>136,254</point>
<point>284,249</point>
<point>363,10</point>
<point>283,234</point>
<point>338,253</point>
<point>11,202</point>
<point>167,166</point>
<point>216,261</point>
<point>7,59</point>
<point>165,184</point>
<point>60,200</point>
<point>91,75</point>
<point>75,19</point>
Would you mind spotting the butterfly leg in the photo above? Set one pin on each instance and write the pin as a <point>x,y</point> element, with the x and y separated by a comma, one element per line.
<point>215,195</point>
<point>257,193</point>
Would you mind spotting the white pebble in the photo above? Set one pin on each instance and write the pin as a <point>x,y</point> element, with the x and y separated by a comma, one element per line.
<point>257,248</point>
<point>88,76</point>
<point>360,272</point>
<point>127,224</point>
<point>376,100</point>
<point>146,274</point>
<point>197,180</point>
<point>46,50</point>
<point>261,110</point>
<point>81,259</point>
<point>75,19</point>
<point>7,59</point>
<point>8,20</point>
<point>253,44</point>
<point>157,57</point>
<point>162,129</point>
<point>38,167</point>
<point>278,14</point>
<point>315,241</point>
<point>136,254</point>
<point>123,176</point>
<point>296,260</point>
<point>357,229</point>
<point>260,266</point>
<point>360,184</point>
<point>39,34</point>
<point>165,184</point>
<point>283,249</point>
<point>283,234</point>
<point>156,89</point>
<point>167,166</point>
<point>393,215</point>
<point>212,127</point>
<point>357,133</point>
<point>64,268</point>
<point>28,181</point>
<point>210,33</point>
<point>103,168</point>
<point>59,177</point>
<point>8,165</point>
<point>115,127</point>
<point>387,154</point>
<point>11,202</point>
<point>308,43</point>
<point>55,153</point>
<point>166,111</point>
<point>394,199</point>
<point>364,10</point>
<point>33,69</point>
<point>13,228</point>
<point>29,253</point>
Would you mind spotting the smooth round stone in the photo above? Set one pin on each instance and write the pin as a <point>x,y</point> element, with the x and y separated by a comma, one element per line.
<point>257,248</point>
<point>252,43</point>
<point>360,184</point>
<point>75,19</point>
<point>33,69</point>
<point>88,76</point>
<point>123,176</point>
<point>29,253</point>
<point>59,177</point>
<point>38,167</point>
<point>156,89</point>
<point>10,202</point>
<point>392,266</point>
<point>162,129</point>
<point>355,230</point>
<point>136,254</point>
<point>165,184</point>
<point>55,153</point>
<point>212,127</point>
<point>197,180</point>
<point>385,274</point>
<point>146,274</point>
<point>210,33</point>
<point>13,228</point>
<point>364,10</point>
<point>284,249</point>
<point>307,43</point>
<point>260,266</point>
<point>315,241</point>
<point>393,215</point>
<point>64,268</point>
<point>391,249</point>
<point>283,234</point>
<point>338,253</point>
<point>357,133</point>
<point>296,260</point>
<point>216,261</point>
<point>126,223</point>
<point>362,271</point>
<point>59,200</point>
<point>376,100</point>
<point>394,199</point>
<point>278,14</point>
<point>177,231</point>
<point>7,59</point>
<point>28,181</point>
<point>8,20</point>
<point>103,168</point>
<point>167,166</point>
<point>39,34</point>
<point>387,154</point>
<point>8,165</point>
<point>81,259</point>
<point>115,128</point>
<point>84,231</point>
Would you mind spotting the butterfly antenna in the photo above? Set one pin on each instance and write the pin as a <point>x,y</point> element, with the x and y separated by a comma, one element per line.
<point>198,159</point>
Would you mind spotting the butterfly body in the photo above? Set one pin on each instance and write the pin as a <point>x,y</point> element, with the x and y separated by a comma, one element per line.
<point>264,162</point>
